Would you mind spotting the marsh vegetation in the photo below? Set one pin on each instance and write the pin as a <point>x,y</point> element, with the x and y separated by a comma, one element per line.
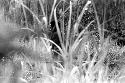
<point>62,41</point>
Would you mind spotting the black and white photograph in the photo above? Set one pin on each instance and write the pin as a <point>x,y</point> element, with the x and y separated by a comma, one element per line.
<point>62,41</point>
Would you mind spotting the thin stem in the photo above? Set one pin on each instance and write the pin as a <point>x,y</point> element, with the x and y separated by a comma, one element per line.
<point>42,7</point>
<point>76,25</point>
<point>69,26</point>
<point>52,10</point>
<point>58,31</point>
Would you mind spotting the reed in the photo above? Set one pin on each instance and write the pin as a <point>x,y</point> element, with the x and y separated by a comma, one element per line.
<point>85,58</point>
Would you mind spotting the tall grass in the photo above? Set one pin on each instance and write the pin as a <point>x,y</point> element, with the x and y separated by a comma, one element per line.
<point>89,67</point>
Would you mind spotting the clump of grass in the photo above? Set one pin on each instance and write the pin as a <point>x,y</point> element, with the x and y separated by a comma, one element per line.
<point>89,67</point>
<point>100,52</point>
